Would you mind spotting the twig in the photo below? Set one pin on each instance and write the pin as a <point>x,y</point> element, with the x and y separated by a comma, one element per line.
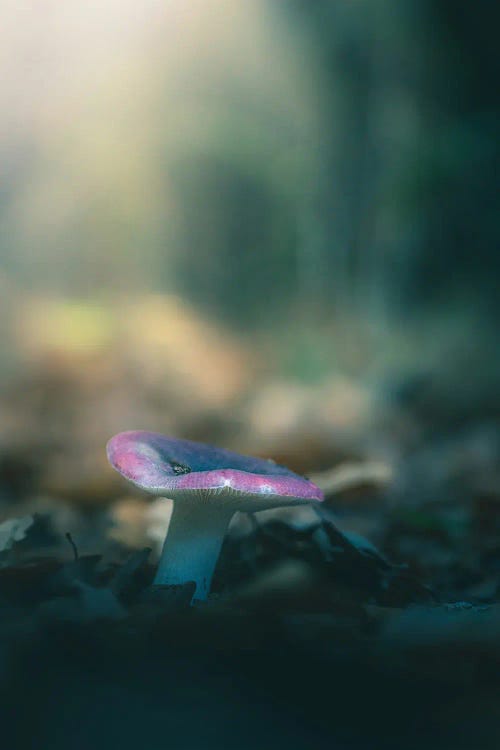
<point>73,545</point>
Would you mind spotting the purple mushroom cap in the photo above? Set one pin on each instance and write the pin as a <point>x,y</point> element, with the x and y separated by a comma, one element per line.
<point>176,468</point>
<point>207,486</point>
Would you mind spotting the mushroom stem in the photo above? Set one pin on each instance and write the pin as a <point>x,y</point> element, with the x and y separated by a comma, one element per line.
<point>194,539</point>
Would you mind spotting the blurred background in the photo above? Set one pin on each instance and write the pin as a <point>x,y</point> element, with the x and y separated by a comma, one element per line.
<point>269,226</point>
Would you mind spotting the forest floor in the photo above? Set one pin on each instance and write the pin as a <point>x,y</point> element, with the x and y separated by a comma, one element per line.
<point>373,624</point>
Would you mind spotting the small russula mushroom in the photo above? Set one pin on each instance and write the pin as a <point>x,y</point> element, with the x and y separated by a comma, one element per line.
<point>207,486</point>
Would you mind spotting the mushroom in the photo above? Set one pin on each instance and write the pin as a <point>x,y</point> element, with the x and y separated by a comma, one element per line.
<point>207,486</point>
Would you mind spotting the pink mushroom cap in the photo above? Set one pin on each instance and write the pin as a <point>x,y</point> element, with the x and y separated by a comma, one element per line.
<point>174,467</point>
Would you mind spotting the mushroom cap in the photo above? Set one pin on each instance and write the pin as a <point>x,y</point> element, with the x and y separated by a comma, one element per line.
<point>182,469</point>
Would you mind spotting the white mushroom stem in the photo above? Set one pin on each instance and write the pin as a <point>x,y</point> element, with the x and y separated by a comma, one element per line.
<point>192,546</point>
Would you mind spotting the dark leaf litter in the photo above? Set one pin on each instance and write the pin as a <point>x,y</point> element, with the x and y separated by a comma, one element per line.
<point>311,635</point>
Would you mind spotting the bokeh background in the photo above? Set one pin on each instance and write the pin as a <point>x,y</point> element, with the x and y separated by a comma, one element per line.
<point>270,226</point>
